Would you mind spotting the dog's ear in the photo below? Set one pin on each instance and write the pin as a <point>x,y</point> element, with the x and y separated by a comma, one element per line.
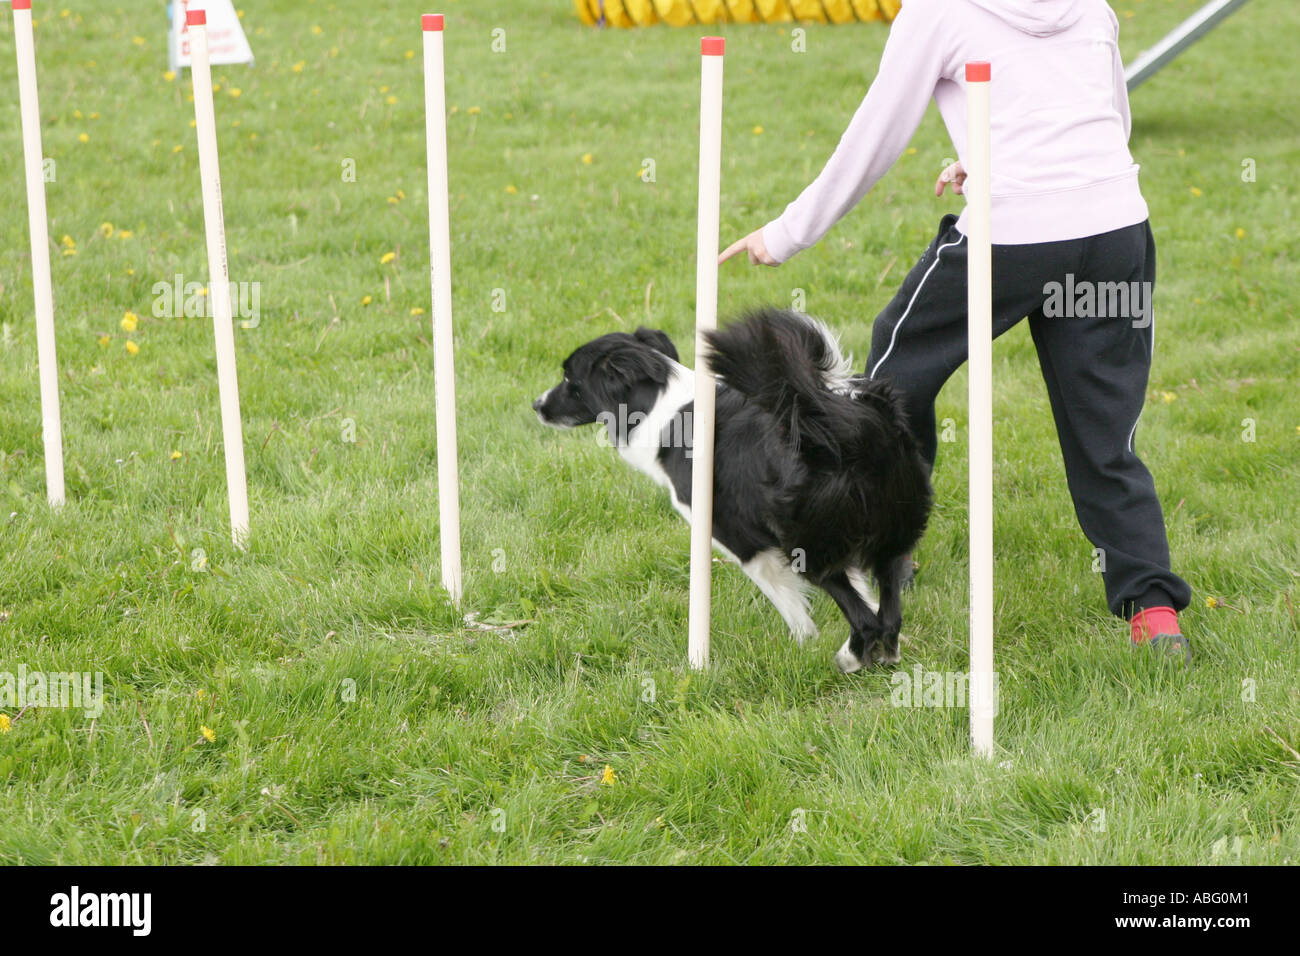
<point>656,340</point>
<point>631,365</point>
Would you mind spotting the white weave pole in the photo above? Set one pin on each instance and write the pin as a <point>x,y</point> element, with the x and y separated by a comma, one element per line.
<point>979,306</point>
<point>218,276</point>
<point>706,319</point>
<point>444,364</point>
<point>51,428</point>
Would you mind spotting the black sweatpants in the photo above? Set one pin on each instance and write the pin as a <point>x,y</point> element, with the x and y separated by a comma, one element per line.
<point>1095,366</point>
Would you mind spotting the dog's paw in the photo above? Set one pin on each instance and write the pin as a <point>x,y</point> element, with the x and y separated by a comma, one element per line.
<point>846,660</point>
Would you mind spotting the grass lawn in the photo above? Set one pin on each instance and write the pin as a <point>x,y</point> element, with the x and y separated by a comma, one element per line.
<point>356,718</point>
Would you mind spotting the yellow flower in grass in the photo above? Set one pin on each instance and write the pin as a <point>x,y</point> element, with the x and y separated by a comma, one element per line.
<point>125,234</point>
<point>106,230</point>
<point>1196,191</point>
<point>236,92</point>
<point>68,241</point>
<point>366,300</point>
<point>317,30</point>
<point>1211,602</point>
<point>297,67</point>
<point>69,252</point>
<point>104,340</point>
<point>474,111</point>
<point>5,723</point>
<point>1241,233</point>
<point>387,257</point>
<point>1168,397</point>
<point>512,190</point>
<point>410,54</point>
<point>177,148</point>
<point>392,200</point>
<point>209,734</point>
<point>587,159</point>
<point>391,101</point>
<point>758,131</point>
<point>129,322</point>
<point>132,348</point>
<point>417,311</point>
<point>607,777</point>
<point>169,75</point>
<point>177,456</point>
<point>83,137</point>
<point>138,41</point>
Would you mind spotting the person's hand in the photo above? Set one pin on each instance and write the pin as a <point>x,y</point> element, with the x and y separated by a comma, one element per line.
<point>753,244</point>
<point>955,175</point>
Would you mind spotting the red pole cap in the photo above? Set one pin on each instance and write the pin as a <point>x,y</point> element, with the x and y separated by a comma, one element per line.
<point>196,18</point>
<point>22,4</point>
<point>432,22</point>
<point>712,46</point>
<point>979,72</point>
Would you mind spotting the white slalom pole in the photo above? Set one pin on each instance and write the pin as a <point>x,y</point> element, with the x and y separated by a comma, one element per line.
<point>218,276</point>
<point>706,319</point>
<point>51,429</point>
<point>444,364</point>
<point>979,305</point>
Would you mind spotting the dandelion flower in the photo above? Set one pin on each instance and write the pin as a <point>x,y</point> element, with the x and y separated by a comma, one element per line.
<point>125,234</point>
<point>474,111</point>
<point>236,92</point>
<point>366,300</point>
<point>410,54</point>
<point>417,311</point>
<point>512,190</point>
<point>69,242</point>
<point>1211,602</point>
<point>132,348</point>
<point>392,100</point>
<point>586,159</point>
<point>103,341</point>
<point>387,257</point>
<point>129,322</point>
<point>177,148</point>
<point>138,41</point>
<point>1196,191</point>
<point>209,734</point>
<point>607,776</point>
<point>758,131</point>
<point>1241,233</point>
<point>1169,397</point>
<point>169,76</point>
<point>106,230</point>
<point>392,200</point>
<point>297,67</point>
<point>5,723</point>
<point>83,137</point>
<point>177,456</point>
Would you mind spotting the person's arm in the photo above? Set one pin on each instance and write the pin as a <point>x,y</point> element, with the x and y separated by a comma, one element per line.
<point>912,64</point>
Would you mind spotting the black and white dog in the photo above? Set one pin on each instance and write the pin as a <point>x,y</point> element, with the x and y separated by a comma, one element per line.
<point>817,479</point>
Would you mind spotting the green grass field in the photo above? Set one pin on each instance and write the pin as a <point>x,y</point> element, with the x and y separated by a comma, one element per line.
<point>356,719</point>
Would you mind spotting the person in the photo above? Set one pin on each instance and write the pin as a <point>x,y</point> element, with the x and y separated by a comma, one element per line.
<point>1072,250</point>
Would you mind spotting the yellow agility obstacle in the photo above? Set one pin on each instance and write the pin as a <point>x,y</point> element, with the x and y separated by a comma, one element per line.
<point>682,13</point>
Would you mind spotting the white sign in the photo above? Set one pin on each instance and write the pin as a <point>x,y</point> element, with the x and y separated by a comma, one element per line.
<point>226,40</point>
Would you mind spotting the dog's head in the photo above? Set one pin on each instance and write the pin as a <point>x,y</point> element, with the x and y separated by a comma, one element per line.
<point>615,375</point>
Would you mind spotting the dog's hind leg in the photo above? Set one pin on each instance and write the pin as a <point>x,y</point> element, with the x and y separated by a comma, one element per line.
<point>785,588</point>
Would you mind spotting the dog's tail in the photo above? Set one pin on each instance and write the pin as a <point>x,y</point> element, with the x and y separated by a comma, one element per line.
<point>791,366</point>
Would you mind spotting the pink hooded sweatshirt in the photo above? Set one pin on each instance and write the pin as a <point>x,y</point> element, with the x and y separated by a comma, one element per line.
<point>1061,167</point>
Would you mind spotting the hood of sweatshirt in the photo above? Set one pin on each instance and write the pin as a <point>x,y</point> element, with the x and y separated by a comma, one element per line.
<point>1038,18</point>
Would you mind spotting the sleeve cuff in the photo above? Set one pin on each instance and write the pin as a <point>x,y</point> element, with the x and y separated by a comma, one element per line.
<point>780,245</point>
